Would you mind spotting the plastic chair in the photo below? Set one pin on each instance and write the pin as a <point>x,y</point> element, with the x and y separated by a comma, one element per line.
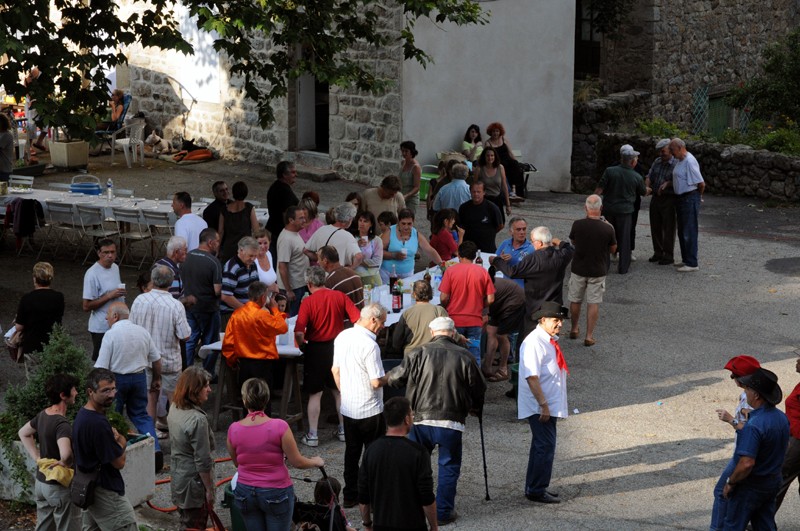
<point>109,136</point>
<point>132,144</point>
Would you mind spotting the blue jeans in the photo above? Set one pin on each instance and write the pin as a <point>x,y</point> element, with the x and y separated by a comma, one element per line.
<point>449,442</point>
<point>473,335</point>
<point>687,207</point>
<point>205,328</point>
<point>132,395</point>
<point>721,503</point>
<point>750,504</point>
<point>264,508</point>
<point>299,293</point>
<point>541,456</point>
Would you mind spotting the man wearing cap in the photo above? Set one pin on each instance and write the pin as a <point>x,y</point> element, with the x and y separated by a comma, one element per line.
<point>619,187</point>
<point>739,366</point>
<point>444,385</point>
<point>542,397</point>
<point>688,185</point>
<point>760,449</point>
<point>662,206</point>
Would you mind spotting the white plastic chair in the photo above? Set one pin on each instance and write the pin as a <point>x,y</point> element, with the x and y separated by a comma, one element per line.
<point>133,143</point>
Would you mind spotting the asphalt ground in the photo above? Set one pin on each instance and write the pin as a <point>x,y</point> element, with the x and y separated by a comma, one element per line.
<point>645,447</point>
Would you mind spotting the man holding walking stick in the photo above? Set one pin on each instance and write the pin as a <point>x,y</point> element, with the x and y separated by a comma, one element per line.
<point>444,384</point>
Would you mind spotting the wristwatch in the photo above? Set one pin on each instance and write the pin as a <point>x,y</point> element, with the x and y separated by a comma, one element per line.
<point>734,423</point>
<point>729,482</point>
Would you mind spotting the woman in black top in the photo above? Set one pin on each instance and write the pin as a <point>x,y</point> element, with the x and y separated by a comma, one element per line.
<point>235,222</point>
<point>39,310</point>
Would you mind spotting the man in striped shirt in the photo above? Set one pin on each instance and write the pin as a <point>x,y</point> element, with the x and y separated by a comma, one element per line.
<point>357,369</point>
<point>237,275</point>
<point>341,278</point>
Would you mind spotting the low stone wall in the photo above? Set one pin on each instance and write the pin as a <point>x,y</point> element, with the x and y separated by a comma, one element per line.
<point>593,119</point>
<point>728,170</point>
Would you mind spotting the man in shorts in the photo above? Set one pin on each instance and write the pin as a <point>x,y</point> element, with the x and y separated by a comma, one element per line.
<point>594,240</point>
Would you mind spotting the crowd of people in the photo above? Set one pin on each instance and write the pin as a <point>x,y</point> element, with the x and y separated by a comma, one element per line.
<point>223,273</point>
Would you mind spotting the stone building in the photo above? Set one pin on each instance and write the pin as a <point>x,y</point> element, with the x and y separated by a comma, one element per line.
<point>687,53</point>
<point>517,69</point>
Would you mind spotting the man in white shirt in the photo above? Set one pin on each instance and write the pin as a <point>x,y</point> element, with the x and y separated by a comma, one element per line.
<point>164,317</point>
<point>189,225</point>
<point>337,235</point>
<point>357,369</point>
<point>542,397</point>
<point>101,287</point>
<point>292,261</point>
<point>128,351</point>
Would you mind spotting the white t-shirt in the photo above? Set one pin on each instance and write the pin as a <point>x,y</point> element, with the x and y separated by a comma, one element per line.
<point>345,243</point>
<point>190,226</point>
<point>290,250</point>
<point>358,358</point>
<point>267,277</point>
<point>538,358</point>
<point>97,281</point>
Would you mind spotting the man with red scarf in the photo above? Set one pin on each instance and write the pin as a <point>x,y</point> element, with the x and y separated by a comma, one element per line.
<point>542,397</point>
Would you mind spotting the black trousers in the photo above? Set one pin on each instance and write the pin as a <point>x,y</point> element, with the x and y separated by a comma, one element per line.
<point>252,368</point>
<point>637,204</point>
<point>662,226</point>
<point>622,228</point>
<point>359,434</point>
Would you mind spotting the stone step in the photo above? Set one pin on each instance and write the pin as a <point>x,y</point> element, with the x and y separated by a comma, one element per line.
<point>313,159</point>
<point>318,175</point>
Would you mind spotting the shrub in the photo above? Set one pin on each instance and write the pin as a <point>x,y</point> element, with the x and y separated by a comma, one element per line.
<point>660,128</point>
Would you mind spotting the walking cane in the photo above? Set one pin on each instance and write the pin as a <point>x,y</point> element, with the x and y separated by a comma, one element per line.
<point>483,450</point>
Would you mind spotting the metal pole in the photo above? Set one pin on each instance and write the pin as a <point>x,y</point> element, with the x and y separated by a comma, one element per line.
<point>483,451</point>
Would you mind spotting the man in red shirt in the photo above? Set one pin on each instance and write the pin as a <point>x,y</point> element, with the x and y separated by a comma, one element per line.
<point>251,333</point>
<point>465,291</point>
<point>791,462</point>
<point>319,321</point>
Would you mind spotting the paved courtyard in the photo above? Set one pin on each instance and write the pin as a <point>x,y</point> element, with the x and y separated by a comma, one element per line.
<point>645,447</point>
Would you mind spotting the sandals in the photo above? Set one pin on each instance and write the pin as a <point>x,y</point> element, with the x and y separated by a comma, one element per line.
<point>499,376</point>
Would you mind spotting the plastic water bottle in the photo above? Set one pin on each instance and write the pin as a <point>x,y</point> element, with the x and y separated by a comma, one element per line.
<point>110,189</point>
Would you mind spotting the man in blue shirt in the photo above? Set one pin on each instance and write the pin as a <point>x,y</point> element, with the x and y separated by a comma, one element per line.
<point>455,193</point>
<point>517,247</point>
<point>688,185</point>
<point>760,448</point>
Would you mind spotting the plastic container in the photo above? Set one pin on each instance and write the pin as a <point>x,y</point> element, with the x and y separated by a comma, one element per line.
<point>85,188</point>
<point>237,523</point>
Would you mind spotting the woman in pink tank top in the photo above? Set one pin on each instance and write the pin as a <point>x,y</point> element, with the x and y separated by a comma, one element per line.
<point>264,493</point>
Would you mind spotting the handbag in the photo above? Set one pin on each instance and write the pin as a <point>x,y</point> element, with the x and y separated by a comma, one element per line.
<point>81,491</point>
<point>216,521</point>
<point>14,345</point>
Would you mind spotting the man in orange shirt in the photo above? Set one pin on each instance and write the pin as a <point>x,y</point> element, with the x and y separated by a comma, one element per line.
<point>251,333</point>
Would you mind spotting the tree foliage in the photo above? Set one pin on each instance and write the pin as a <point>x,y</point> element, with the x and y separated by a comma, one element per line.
<point>72,55</point>
<point>772,94</point>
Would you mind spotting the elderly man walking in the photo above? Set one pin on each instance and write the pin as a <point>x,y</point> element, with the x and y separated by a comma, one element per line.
<point>594,240</point>
<point>688,185</point>
<point>165,319</point>
<point>357,370</point>
<point>319,322</point>
<point>444,385</point>
<point>662,206</point>
<point>620,185</point>
<point>542,398</point>
<point>760,449</point>
<point>337,236</point>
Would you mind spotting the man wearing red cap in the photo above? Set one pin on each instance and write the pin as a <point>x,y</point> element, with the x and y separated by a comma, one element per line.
<point>542,397</point>
<point>739,366</point>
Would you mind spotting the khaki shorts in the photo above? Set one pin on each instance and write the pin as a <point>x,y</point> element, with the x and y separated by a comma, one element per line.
<point>169,380</point>
<point>589,288</point>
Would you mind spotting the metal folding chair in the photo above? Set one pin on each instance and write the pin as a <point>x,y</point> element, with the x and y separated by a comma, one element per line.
<point>131,230</point>
<point>92,220</point>
<point>161,230</point>
<point>61,227</point>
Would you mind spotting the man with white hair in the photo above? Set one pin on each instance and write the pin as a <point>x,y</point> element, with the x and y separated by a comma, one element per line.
<point>688,185</point>
<point>594,240</point>
<point>177,249</point>
<point>337,236</point>
<point>357,370</point>
<point>619,187</point>
<point>444,385</point>
<point>662,206</point>
<point>237,275</point>
<point>189,225</point>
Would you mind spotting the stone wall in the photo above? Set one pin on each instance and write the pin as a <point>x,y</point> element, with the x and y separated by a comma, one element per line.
<point>728,170</point>
<point>672,48</point>
<point>592,120</point>
<point>365,128</point>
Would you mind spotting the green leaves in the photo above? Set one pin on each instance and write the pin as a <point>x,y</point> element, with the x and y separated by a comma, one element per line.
<point>266,44</point>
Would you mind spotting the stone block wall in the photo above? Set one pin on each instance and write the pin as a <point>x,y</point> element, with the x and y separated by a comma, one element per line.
<point>591,121</point>
<point>728,170</point>
<point>365,128</point>
<point>672,48</point>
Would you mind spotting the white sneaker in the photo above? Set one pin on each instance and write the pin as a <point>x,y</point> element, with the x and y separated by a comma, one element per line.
<point>687,269</point>
<point>308,440</point>
<point>615,258</point>
<point>340,433</point>
<point>633,258</point>
<point>677,264</point>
